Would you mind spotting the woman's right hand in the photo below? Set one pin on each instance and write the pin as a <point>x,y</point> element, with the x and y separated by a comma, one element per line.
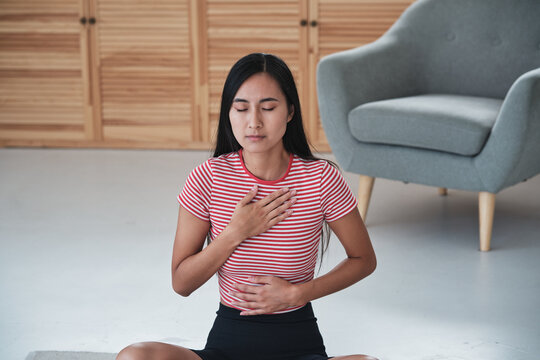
<point>253,218</point>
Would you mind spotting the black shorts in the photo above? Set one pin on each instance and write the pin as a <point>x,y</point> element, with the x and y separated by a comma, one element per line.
<point>289,336</point>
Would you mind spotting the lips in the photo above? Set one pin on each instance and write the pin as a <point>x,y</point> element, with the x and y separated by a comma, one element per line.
<point>254,137</point>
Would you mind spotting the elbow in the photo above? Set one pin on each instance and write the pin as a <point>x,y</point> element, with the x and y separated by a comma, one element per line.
<point>180,287</point>
<point>372,265</point>
<point>365,265</point>
<point>181,290</point>
<point>184,293</point>
<point>179,283</point>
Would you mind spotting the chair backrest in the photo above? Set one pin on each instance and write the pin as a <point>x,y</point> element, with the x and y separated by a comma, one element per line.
<point>471,47</point>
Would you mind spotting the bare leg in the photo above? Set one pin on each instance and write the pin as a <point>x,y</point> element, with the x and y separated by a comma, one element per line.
<point>156,351</point>
<point>355,357</point>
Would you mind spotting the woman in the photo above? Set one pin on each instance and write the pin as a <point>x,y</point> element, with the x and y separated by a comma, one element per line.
<point>263,201</point>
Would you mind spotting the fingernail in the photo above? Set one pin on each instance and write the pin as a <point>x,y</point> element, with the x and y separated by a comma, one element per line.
<point>285,189</point>
<point>293,192</point>
<point>293,200</point>
<point>289,212</point>
<point>253,188</point>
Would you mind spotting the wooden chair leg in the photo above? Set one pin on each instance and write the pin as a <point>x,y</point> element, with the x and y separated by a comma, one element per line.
<point>443,191</point>
<point>364,194</point>
<point>486,210</point>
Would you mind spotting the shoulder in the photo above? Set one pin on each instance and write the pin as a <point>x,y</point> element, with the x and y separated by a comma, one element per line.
<point>312,166</point>
<point>213,163</point>
<point>225,163</point>
<point>319,167</point>
<point>331,176</point>
<point>218,168</point>
<point>331,169</point>
<point>319,170</point>
<point>229,158</point>
<point>202,170</point>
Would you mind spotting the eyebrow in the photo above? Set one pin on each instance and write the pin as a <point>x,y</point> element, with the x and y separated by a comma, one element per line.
<point>261,101</point>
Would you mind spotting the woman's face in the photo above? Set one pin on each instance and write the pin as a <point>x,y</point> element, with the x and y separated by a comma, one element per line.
<point>259,114</point>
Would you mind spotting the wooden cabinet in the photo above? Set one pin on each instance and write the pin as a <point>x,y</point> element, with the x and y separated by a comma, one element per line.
<point>43,73</point>
<point>142,58</point>
<point>149,73</point>
<point>92,73</point>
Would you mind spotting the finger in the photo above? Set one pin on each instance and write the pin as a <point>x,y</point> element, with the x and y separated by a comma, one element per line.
<point>281,209</point>
<point>253,312</point>
<point>273,196</point>
<point>244,296</point>
<point>249,196</point>
<point>261,279</point>
<point>279,218</point>
<point>250,289</point>
<point>280,200</point>
<point>249,305</point>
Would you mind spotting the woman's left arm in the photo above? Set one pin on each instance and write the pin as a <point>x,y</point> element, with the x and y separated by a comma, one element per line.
<point>277,294</point>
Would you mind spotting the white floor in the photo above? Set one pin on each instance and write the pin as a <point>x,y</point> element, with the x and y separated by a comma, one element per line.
<point>85,247</point>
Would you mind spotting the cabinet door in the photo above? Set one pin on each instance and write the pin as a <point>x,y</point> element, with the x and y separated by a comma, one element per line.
<point>141,58</point>
<point>43,79</point>
<point>236,28</point>
<point>342,25</point>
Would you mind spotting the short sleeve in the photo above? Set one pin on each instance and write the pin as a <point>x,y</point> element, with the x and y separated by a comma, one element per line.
<point>196,193</point>
<point>337,199</point>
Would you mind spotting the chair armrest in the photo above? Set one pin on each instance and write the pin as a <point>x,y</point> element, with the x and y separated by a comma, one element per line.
<point>384,69</point>
<point>511,153</point>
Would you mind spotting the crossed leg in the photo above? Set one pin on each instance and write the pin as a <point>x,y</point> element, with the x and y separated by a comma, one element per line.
<point>156,351</point>
<point>162,351</point>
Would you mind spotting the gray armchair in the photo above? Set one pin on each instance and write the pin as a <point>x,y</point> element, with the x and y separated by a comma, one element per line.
<point>448,97</point>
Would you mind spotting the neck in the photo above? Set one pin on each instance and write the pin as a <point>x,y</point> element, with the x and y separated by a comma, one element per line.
<point>267,166</point>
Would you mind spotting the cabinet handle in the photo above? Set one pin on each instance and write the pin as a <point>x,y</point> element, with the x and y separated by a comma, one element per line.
<point>83,20</point>
<point>313,23</point>
<point>92,21</point>
<point>303,22</point>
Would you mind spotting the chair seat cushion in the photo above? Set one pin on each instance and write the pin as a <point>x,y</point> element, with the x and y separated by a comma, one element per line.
<point>450,123</point>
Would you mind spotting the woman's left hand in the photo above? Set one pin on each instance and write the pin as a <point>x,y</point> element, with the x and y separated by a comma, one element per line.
<point>271,295</point>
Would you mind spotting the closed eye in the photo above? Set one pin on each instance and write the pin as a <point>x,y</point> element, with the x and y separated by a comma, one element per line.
<point>268,109</point>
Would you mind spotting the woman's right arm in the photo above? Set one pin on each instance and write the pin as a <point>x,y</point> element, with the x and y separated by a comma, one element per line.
<point>193,264</point>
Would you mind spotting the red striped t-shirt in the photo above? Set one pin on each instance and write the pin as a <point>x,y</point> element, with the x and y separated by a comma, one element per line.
<point>288,249</point>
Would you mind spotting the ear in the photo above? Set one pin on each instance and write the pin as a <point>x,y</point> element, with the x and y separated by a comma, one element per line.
<point>291,113</point>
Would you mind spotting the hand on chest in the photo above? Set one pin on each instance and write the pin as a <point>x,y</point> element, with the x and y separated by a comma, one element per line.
<point>306,208</point>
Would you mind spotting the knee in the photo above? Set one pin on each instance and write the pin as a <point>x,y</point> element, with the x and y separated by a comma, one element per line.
<point>367,357</point>
<point>138,351</point>
<point>356,357</point>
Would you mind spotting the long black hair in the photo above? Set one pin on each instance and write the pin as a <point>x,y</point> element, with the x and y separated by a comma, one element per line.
<point>294,139</point>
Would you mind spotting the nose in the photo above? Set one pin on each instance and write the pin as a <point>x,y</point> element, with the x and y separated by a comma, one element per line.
<point>254,120</point>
